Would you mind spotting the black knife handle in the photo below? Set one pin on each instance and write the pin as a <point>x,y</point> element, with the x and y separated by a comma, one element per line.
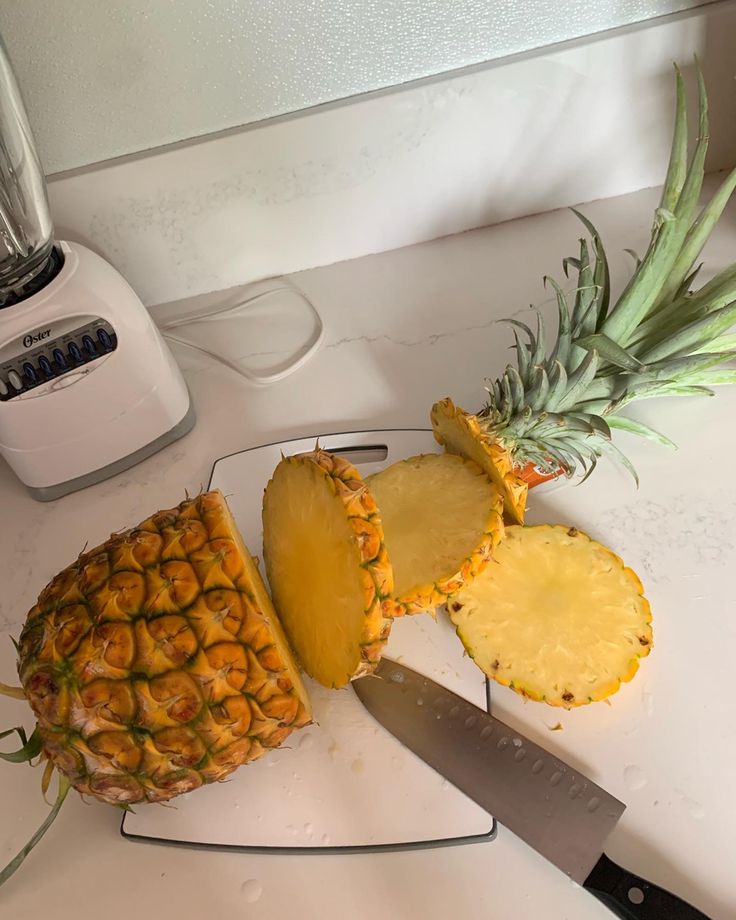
<point>634,898</point>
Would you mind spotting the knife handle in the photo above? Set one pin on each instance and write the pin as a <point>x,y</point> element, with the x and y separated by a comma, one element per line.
<point>634,898</point>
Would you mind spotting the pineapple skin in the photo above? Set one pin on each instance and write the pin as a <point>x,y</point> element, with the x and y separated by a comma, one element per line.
<point>155,663</point>
<point>460,432</point>
<point>342,480</point>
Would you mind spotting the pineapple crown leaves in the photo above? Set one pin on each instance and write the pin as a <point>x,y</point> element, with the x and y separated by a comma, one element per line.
<point>660,337</point>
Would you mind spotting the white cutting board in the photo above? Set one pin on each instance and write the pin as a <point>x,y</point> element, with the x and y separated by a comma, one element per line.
<point>343,782</point>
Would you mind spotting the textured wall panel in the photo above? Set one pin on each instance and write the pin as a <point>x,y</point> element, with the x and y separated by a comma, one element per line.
<point>103,78</point>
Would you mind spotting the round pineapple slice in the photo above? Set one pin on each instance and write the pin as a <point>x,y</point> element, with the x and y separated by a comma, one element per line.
<point>327,565</point>
<point>442,518</point>
<point>459,432</point>
<point>557,617</point>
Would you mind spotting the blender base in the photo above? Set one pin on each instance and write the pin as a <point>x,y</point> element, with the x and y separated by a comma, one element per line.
<point>58,490</point>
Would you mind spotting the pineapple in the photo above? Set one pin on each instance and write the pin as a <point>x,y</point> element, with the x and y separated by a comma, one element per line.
<point>327,565</point>
<point>442,520</point>
<point>155,663</point>
<point>460,433</point>
<point>554,411</point>
<point>557,617</point>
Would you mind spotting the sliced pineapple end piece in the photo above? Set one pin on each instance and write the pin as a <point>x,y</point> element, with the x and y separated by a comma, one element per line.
<point>459,432</point>
<point>327,565</point>
<point>442,519</point>
<point>557,617</point>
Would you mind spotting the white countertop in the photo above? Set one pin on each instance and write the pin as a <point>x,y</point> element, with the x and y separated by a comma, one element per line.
<point>402,329</point>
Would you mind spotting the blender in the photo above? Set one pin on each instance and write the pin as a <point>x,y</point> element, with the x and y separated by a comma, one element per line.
<point>88,387</point>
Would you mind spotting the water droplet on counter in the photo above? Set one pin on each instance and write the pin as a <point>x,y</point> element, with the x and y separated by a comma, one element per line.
<point>357,766</point>
<point>306,742</point>
<point>594,804</point>
<point>251,890</point>
<point>520,755</point>
<point>648,701</point>
<point>325,840</point>
<point>309,830</point>
<point>555,778</point>
<point>332,750</point>
<point>502,743</point>
<point>420,701</point>
<point>470,721</point>
<point>517,742</point>
<point>397,677</point>
<point>453,712</point>
<point>574,791</point>
<point>537,766</point>
<point>634,777</point>
<point>486,732</point>
<point>444,784</point>
<point>694,807</point>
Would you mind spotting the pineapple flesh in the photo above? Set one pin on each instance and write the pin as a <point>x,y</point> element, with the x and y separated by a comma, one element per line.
<point>156,663</point>
<point>557,617</point>
<point>327,565</point>
<point>442,520</point>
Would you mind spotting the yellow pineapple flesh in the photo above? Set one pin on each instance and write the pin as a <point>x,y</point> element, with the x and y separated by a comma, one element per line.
<point>459,432</point>
<point>557,617</point>
<point>327,565</point>
<point>156,663</point>
<point>442,518</point>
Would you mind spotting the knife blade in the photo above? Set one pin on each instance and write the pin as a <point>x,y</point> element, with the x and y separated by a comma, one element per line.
<point>550,805</point>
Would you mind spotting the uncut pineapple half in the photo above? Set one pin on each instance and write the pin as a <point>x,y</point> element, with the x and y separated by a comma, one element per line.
<point>553,412</point>
<point>557,617</point>
<point>155,663</point>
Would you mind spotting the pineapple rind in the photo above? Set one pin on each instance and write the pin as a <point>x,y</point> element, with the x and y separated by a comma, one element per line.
<point>155,663</point>
<point>533,621</point>
<point>460,432</point>
<point>341,479</point>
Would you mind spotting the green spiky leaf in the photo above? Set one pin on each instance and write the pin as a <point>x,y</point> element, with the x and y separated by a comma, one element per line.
<point>639,428</point>
<point>31,747</point>
<point>15,864</point>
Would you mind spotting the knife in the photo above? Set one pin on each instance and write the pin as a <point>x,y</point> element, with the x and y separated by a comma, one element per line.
<point>551,806</point>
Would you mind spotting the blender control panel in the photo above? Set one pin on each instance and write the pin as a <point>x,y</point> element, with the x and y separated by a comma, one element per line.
<point>42,355</point>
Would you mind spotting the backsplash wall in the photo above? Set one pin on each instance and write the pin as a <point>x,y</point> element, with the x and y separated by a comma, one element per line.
<point>130,75</point>
<point>587,119</point>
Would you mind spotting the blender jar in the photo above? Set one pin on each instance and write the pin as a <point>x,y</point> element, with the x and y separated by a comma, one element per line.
<point>28,258</point>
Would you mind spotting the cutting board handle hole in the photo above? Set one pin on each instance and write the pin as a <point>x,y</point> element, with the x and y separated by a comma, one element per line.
<point>360,453</point>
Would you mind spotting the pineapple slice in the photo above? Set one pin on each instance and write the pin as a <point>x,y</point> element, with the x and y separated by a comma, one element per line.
<point>442,518</point>
<point>327,565</point>
<point>559,618</point>
<point>459,433</point>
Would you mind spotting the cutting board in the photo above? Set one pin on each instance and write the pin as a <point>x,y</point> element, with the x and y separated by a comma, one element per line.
<point>343,782</point>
